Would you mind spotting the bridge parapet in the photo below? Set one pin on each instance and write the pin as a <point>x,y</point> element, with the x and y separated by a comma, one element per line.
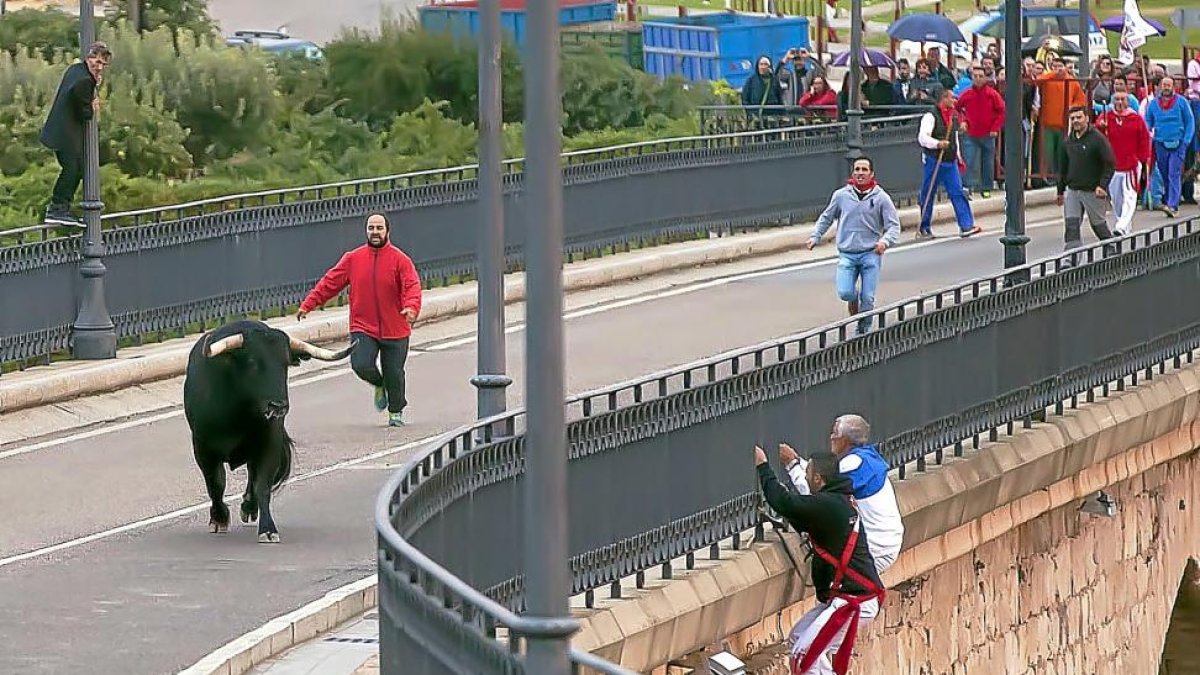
<point>659,471</point>
<point>996,550</point>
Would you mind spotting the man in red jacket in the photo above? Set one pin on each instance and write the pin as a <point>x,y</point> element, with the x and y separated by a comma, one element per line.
<point>983,108</point>
<point>385,297</point>
<point>1130,141</point>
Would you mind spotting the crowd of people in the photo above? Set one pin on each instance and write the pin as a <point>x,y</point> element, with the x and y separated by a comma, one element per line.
<point>1162,179</point>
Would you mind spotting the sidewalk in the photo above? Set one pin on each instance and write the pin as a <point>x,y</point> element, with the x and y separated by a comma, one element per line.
<point>351,649</point>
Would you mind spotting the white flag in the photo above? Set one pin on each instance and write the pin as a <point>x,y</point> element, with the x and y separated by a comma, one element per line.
<point>1133,33</point>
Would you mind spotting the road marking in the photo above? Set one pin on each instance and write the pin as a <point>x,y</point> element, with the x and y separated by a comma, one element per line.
<point>230,499</point>
<point>454,343</point>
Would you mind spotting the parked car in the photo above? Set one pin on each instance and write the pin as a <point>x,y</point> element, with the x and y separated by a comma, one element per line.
<point>275,42</point>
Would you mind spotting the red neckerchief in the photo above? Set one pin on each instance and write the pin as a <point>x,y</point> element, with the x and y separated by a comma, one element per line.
<point>947,113</point>
<point>1166,102</point>
<point>862,190</point>
<point>847,615</point>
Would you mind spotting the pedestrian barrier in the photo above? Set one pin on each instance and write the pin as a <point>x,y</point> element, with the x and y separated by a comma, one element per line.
<point>660,468</point>
<point>176,269</point>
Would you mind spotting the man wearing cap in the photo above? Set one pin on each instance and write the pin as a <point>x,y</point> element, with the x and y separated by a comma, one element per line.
<point>385,298</point>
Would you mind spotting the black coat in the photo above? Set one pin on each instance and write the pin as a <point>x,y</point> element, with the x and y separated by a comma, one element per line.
<point>71,109</point>
<point>825,516</point>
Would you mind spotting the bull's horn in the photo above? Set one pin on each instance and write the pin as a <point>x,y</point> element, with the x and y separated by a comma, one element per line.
<point>320,353</point>
<point>225,344</point>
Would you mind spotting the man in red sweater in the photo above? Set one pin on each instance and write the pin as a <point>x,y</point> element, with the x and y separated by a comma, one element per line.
<point>983,108</point>
<point>385,297</point>
<point>1130,141</point>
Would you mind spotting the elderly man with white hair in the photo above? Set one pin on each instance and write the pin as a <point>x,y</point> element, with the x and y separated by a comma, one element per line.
<point>860,461</point>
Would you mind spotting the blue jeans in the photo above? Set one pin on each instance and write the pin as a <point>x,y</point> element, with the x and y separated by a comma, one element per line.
<point>1170,163</point>
<point>950,180</point>
<point>980,156</point>
<point>851,268</point>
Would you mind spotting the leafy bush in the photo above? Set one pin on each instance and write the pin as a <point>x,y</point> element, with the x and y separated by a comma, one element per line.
<point>184,117</point>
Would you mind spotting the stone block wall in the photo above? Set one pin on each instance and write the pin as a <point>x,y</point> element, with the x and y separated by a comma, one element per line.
<point>1067,593</point>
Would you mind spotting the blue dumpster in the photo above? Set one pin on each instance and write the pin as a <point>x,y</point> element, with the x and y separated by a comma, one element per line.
<point>461,17</point>
<point>718,46</point>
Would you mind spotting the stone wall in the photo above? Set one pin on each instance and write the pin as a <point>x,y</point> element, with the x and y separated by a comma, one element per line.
<point>1067,593</point>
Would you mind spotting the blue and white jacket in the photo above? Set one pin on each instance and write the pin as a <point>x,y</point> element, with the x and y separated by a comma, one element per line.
<point>876,498</point>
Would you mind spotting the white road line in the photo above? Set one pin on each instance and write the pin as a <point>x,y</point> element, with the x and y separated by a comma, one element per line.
<point>229,499</point>
<point>454,343</point>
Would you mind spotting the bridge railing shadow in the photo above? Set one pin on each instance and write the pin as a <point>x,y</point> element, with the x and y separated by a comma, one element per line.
<point>660,468</point>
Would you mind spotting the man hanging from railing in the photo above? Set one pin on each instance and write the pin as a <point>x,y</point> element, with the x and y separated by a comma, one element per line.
<point>860,461</point>
<point>843,574</point>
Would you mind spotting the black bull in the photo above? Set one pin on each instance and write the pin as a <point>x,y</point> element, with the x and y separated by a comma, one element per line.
<point>235,398</point>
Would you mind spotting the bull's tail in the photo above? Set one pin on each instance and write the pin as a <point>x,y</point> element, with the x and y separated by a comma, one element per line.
<point>285,465</point>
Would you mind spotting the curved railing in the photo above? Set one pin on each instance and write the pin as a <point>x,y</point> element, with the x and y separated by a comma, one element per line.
<point>659,465</point>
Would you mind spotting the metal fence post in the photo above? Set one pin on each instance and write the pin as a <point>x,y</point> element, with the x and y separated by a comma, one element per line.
<point>93,335</point>
<point>1085,61</point>
<point>490,380</point>
<point>854,111</point>
<point>547,579</point>
<point>1014,239</point>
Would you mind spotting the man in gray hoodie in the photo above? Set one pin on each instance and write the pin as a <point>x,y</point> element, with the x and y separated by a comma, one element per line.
<point>869,225</point>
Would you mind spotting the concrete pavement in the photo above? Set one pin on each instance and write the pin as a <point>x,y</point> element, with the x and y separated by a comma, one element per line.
<point>108,566</point>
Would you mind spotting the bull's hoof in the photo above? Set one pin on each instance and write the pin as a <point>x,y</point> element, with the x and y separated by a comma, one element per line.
<point>249,516</point>
<point>268,538</point>
<point>217,528</point>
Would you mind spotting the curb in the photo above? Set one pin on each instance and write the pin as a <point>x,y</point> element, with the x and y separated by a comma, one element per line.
<point>459,300</point>
<point>241,654</point>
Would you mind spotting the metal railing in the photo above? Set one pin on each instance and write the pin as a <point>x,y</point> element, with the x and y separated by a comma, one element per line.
<point>659,464</point>
<point>261,252</point>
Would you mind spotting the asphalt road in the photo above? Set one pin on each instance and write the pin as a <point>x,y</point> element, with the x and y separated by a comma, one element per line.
<point>149,590</point>
<point>316,20</point>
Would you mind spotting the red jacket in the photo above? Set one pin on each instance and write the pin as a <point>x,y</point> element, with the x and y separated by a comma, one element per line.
<point>1129,138</point>
<point>983,108</point>
<point>382,282</point>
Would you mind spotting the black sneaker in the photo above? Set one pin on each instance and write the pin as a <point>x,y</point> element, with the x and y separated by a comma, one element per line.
<point>62,217</point>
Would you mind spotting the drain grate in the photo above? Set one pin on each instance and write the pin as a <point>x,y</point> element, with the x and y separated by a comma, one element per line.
<point>353,640</point>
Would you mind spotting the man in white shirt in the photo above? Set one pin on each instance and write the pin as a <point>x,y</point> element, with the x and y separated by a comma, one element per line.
<point>867,470</point>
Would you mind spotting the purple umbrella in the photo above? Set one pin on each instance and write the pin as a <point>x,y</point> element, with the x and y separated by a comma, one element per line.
<point>1116,24</point>
<point>869,57</point>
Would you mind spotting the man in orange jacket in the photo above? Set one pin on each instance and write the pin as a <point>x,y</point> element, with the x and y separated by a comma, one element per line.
<point>1059,93</point>
<point>385,298</point>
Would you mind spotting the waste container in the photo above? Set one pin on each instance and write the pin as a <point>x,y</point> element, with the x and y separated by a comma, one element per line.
<point>721,46</point>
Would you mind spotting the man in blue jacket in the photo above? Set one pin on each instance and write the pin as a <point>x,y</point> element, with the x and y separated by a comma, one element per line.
<point>1169,117</point>
<point>868,226</point>
<point>867,470</point>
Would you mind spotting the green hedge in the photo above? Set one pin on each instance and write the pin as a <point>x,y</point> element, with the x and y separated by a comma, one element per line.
<point>184,117</point>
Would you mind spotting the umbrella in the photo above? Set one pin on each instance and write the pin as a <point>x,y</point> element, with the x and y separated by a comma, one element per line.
<point>926,28</point>
<point>1056,43</point>
<point>869,57</point>
<point>1116,24</point>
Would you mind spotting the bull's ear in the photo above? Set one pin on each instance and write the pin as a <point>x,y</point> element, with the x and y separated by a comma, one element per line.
<point>297,357</point>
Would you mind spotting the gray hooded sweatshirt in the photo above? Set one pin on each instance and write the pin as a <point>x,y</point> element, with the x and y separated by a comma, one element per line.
<point>864,221</point>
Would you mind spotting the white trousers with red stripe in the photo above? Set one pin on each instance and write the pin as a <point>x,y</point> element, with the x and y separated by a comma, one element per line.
<point>806,629</point>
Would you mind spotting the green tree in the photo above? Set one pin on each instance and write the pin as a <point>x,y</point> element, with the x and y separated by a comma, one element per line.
<point>190,16</point>
<point>45,30</point>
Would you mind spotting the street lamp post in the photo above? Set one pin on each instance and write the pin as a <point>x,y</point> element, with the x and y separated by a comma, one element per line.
<point>490,381</point>
<point>1014,238</point>
<point>1085,61</point>
<point>93,335</point>
<point>547,579</point>
<point>854,112</point>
